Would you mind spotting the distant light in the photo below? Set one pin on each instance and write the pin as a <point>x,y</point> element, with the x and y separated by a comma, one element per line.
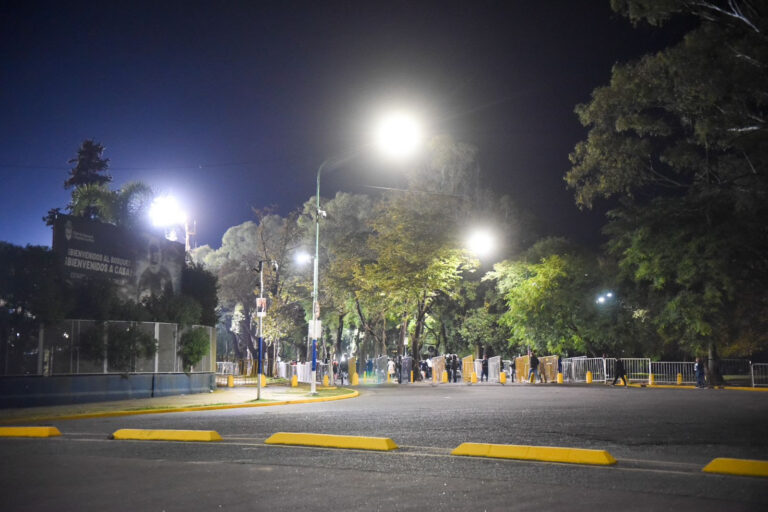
<point>481,243</point>
<point>302,257</point>
<point>609,295</point>
<point>165,211</point>
<point>601,300</point>
<point>398,135</point>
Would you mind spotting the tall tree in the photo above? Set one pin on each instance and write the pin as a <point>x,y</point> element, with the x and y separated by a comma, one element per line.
<point>90,166</point>
<point>681,137</point>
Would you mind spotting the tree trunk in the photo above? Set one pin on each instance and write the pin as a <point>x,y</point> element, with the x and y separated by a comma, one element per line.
<point>339,332</point>
<point>403,334</point>
<point>417,331</point>
<point>713,364</point>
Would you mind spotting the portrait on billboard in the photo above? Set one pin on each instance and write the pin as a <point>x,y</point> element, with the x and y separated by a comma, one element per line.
<point>155,279</point>
<point>158,267</point>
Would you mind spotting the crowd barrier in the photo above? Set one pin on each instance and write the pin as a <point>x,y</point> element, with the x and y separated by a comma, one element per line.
<point>573,369</point>
<point>759,372</point>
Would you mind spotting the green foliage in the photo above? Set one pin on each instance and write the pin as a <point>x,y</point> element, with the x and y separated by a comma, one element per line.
<point>680,136</point>
<point>178,309</point>
<point>30,282</point>
<point>550,295</point>
<point>90,167</point>
<point>201,285</point>
<point>193,346</point>
<point>124,345</point>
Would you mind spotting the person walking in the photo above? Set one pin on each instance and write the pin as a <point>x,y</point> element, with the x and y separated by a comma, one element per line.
<point>484,374</point>
<point>620,372</point>
<point>455,368</point>
<point>391,369</point>
<point>698,370</point>
<point>534,367</point>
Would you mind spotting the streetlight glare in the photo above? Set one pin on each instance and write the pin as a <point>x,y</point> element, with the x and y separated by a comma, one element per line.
<point>303,258</point>
<point>165,211</point>
<point>481,243</point>
<point>398,135</point>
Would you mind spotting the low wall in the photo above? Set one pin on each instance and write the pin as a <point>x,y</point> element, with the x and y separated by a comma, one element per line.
<point>32,391</point>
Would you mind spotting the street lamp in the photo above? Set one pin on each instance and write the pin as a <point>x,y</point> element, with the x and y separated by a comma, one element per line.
<point>165,212</point>
<point>396,135</point>
<point>481,243</point>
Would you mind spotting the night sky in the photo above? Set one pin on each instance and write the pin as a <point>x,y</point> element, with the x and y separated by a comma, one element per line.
<point>230,105</point>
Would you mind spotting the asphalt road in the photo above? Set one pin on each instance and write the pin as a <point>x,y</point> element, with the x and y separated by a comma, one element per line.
<point>660,437</point>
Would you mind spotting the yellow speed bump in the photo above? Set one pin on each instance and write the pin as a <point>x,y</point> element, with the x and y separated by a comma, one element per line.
<point>29,432</point>
<point>743,467</point>
<point>166,435</point>
<point>540,453</point>
<point>333,441</point>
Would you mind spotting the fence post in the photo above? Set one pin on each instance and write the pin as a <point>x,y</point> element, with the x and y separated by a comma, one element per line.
<point>40,345</point>
<point>752,372</point>
<point>605,371</point>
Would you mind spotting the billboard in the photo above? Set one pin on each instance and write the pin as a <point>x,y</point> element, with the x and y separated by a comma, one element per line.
<point>142,264</point>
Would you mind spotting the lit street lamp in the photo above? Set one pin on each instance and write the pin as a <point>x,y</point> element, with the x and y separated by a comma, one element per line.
<point>397,135</point>
<point>165,212</point>
<point>481,243</point>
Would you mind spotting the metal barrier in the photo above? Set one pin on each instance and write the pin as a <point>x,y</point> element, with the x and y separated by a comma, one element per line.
<point>665,372</point>
<point>579,367</point>
<point>494,369</point>
<point>467,367</point>
<point>759,372</point>
<point>509,369</point>
<point>438,367</point>
<point>637,369</point>
<point>380,368</point>
<point>227,368</point>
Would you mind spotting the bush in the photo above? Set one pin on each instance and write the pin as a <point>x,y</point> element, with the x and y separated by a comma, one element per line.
<point>124,345</point>
<point>194,345</point>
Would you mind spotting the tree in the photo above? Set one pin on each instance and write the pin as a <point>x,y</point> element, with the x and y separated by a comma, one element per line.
<point>417,257</point>
<point>126,207</point>
<point>680,137</point>
<point>90,166</point>
<point>550,295</point>
<point>343,249</point>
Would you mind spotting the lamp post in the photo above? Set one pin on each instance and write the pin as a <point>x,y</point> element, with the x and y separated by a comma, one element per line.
<point>315,303</point>
<point>397,135</point>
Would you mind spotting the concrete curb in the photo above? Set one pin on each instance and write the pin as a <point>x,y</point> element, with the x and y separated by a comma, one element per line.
<point>741,467</point>
<point>166,435</point>
<point>332,441</point>
<point>114,414</point>
<point>539,453</point>
<point>29,432</point>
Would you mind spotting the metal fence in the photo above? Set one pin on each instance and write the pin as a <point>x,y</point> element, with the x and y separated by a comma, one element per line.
<point>494,368</point>
<point>759,373</point>
<point>59,350</point>
<point>637,369</point>
<point>665,372</point>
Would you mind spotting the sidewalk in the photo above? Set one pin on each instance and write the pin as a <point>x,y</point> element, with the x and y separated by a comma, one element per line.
<point>222,398</point>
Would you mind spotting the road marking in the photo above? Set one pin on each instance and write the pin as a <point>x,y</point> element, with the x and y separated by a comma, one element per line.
<point>540,453</point>
<point>166,435</point>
